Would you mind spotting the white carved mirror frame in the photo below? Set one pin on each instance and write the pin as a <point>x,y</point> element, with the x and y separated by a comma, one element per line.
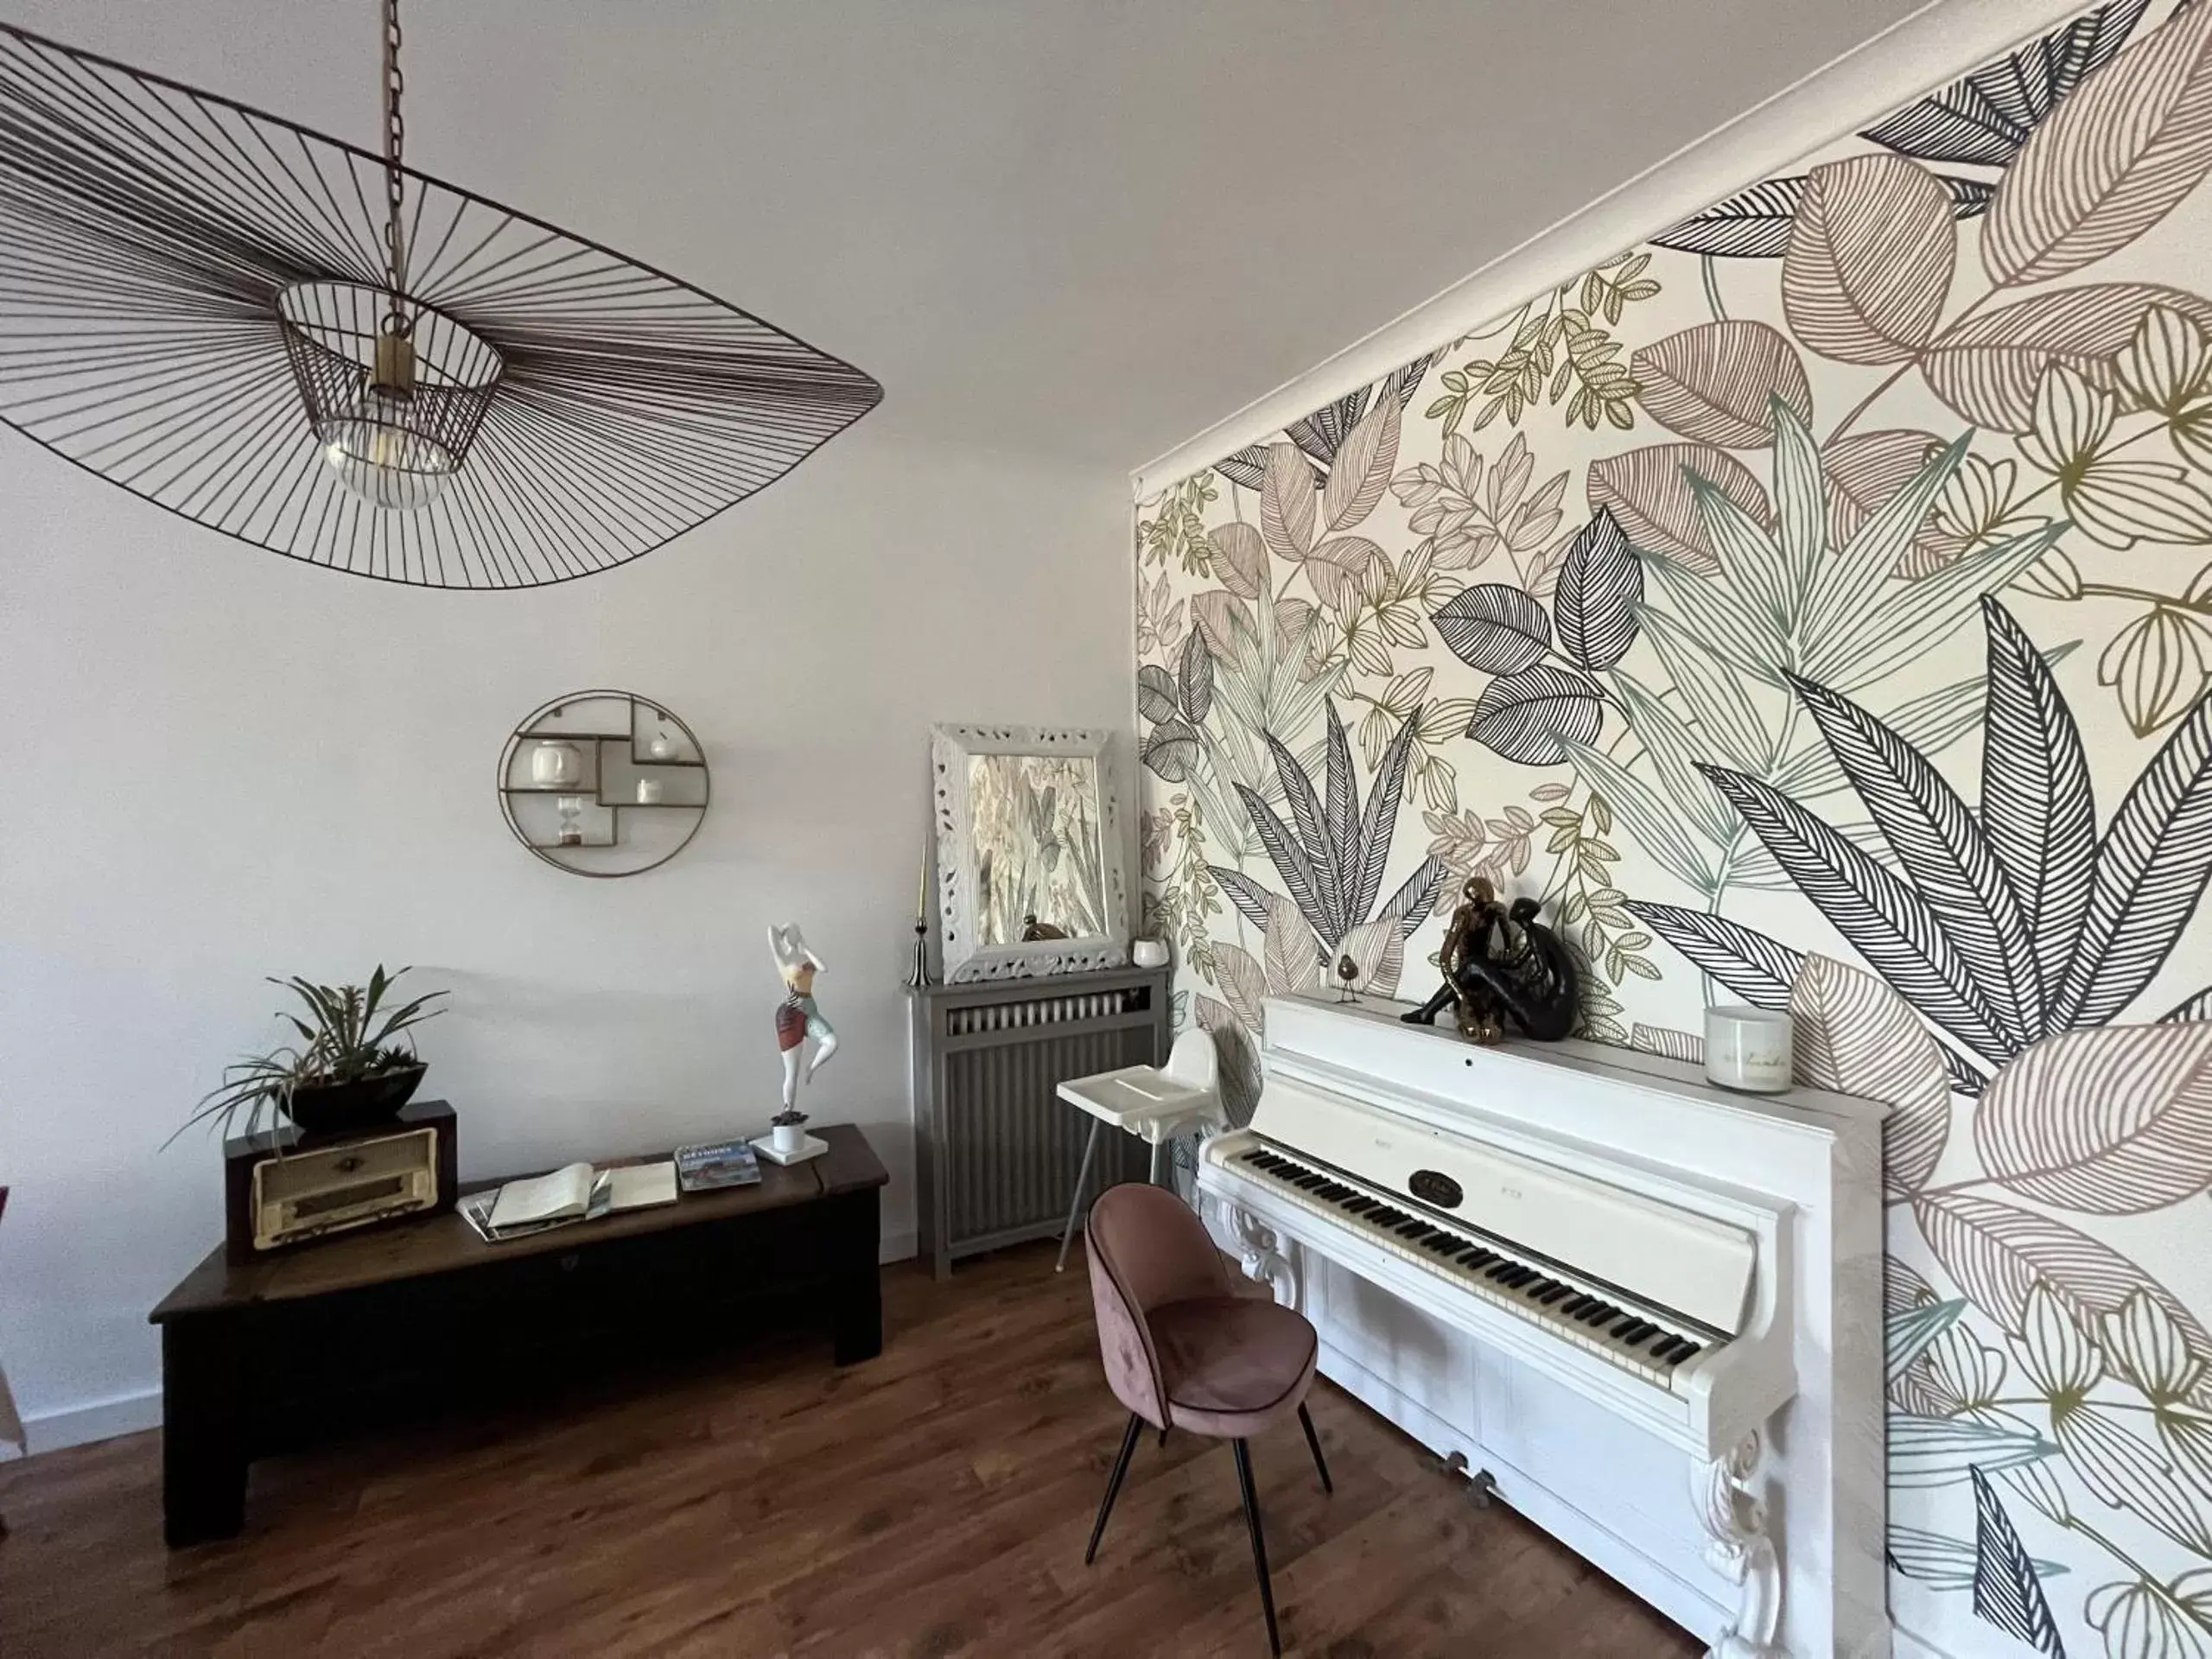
<point>966,957</point>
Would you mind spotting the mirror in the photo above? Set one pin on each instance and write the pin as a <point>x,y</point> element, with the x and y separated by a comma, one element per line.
<point>1034,834</point>
<point>1029,866</point>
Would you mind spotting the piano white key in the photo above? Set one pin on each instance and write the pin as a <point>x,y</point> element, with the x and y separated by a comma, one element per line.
<point>1303,1183</point>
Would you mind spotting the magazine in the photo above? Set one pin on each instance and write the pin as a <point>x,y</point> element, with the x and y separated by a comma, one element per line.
<point>708,1167</point>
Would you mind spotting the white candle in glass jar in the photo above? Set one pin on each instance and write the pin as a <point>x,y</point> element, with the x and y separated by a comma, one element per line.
<point>1748,1049</point>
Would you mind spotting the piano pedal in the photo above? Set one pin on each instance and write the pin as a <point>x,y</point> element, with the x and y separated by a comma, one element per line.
<point>1482,1490</point>
<point>1454,1465</point>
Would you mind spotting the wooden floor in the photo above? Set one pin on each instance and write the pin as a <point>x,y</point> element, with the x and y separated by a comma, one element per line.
<point>933,1502</point>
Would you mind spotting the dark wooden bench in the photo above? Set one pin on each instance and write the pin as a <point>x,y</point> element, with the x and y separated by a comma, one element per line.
<point>300,1347</point>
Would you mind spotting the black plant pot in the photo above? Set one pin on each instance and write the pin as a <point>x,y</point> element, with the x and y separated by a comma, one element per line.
<point>340,1108</point>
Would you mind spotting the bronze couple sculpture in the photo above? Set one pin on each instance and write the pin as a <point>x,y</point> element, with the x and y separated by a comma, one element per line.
<point>1502,964</point>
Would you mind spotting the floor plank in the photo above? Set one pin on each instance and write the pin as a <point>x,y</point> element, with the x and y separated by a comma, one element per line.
<point>932,1503</point>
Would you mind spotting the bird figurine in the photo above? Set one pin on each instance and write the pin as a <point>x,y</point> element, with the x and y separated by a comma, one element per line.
<point>1347,972</point>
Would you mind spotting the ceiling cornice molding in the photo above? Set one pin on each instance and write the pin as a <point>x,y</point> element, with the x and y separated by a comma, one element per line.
<point>1933,46</point>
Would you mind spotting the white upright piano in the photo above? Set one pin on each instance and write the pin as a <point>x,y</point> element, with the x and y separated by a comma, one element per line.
<point>1648,1309</point>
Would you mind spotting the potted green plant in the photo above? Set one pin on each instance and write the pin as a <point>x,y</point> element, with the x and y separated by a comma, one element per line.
<point>355,1066</point>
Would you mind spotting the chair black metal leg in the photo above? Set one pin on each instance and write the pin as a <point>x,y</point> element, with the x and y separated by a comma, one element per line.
<point>1163,1437</point>
<point>1114,1484</point>
<point>1259,1544</point>
<point>1313,1444</point>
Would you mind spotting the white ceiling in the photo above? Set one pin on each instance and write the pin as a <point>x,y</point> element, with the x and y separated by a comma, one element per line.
<point>1086,227</point>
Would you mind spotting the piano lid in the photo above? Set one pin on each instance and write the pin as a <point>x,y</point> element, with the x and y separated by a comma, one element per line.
<point>1671,1256</point>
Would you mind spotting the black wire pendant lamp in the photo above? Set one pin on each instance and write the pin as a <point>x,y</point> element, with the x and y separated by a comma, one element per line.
<point>320,351</point>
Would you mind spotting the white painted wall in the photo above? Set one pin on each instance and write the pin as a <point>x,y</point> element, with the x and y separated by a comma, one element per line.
<point>221,764</point>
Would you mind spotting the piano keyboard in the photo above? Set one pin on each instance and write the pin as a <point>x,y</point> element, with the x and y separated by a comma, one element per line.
<point>1647,1342</point>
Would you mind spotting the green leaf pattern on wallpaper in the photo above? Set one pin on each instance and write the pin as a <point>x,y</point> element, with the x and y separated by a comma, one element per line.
<point>1814,608</point>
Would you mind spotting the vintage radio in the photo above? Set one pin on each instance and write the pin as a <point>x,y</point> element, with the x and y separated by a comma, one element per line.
<point>291,1188</point>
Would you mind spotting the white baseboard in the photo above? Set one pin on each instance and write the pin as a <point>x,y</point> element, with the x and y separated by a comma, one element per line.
<point>127,1414</point>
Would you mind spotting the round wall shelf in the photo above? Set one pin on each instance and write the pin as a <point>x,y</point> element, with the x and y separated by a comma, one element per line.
<point>603,784</point>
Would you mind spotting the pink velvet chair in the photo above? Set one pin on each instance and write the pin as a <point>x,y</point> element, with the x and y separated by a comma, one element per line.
<point>1184,1350</point>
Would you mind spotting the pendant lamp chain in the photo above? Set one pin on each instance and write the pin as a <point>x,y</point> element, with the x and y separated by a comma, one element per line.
<point>395,139</point>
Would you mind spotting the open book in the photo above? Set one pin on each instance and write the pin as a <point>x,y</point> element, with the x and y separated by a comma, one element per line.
<point>577,1192</point>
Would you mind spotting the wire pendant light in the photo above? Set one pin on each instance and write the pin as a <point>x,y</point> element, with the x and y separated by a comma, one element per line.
<point>324,353</point>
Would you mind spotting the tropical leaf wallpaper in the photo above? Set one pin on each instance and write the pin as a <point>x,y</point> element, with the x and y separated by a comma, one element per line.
<point>1814,608</point>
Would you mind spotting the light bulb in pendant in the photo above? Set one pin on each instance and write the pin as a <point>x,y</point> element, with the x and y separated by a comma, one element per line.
<point>383,461</point>
<point>378,447</point>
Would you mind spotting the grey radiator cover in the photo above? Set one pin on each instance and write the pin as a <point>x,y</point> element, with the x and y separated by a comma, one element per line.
<point>997,1150</point>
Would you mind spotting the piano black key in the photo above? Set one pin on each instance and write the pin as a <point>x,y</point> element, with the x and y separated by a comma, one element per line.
<point>1475,1257</point>
<point>1553,1294</point>
<point>1598,1313</point>
<point>1639,1333</point>
<point>1359,1206</point>
<point>1574,1303</point>
<point>1626,1323</point>
<point>1498,1269</point>
<point>1689,1351</point>
<point>1665,1353</point>
<point>1411,1228</point>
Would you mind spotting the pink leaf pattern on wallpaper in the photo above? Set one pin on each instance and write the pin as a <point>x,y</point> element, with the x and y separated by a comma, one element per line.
<point>1243,983</point>
<point>1217,615</point>
<point>2115,158</point>
<point>1339,567</point>
<point>1361,471</point>
<point>1716,383</point>
<point>1378,948</point>
<point>1856,1036</point>
<point>1240,559</point>
<point>2114,1121</point>
<point>1988,366</point>
<point>1287,501</point>
<point>1645,490</point>
<point>1870,260</point>
<point>1998,1253</point>
<point>1292,955</point>
<point>1865,472</point>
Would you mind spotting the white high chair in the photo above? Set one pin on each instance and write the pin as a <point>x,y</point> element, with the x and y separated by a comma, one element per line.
<point>1155,1103</point>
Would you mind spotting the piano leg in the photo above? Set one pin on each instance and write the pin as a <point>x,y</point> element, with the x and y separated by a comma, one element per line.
<point>1267,1259</point>
<point>1738,1546</point>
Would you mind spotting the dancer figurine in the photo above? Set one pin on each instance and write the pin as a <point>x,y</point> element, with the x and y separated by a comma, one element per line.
<point>798,1018</point>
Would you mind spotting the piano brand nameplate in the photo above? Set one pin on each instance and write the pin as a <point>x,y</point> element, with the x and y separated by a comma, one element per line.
<point>1435,1186</point>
